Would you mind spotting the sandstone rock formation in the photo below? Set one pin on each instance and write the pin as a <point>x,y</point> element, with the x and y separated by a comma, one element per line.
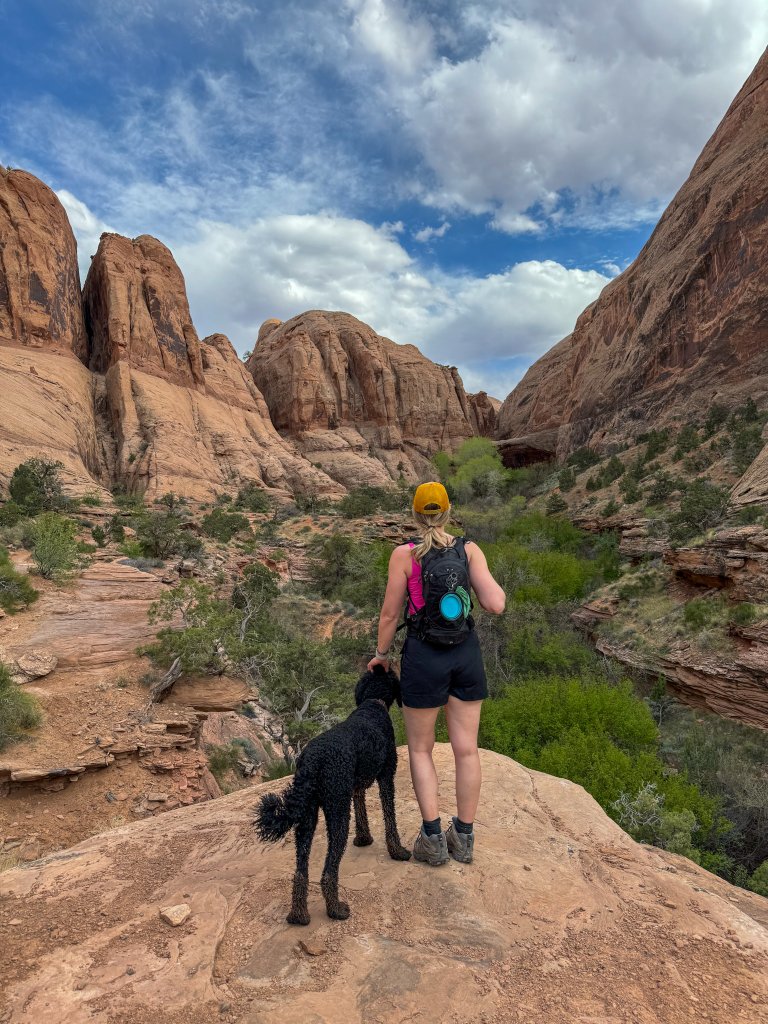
<point>684,326</point>
<point>136,311</point>
<point>39,279</point>
<point>363,408</point>
<point>561,918</point>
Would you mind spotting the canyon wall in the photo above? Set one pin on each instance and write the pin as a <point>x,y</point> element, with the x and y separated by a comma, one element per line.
<point>684,326</point>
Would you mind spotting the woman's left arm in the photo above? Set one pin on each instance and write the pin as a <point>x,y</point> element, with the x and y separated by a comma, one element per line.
<point>490,595</point>
<point>394,599</point>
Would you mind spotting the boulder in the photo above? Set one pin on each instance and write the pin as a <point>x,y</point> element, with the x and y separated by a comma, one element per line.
<point>684,326</point>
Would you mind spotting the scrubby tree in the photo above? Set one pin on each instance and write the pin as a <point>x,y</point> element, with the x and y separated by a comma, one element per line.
<point>16,592</point>
<point>35,487</point>
<point>19,711</point>
<point>54,547</point>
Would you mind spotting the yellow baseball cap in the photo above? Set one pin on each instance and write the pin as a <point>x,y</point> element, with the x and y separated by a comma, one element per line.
<point>431,499</point>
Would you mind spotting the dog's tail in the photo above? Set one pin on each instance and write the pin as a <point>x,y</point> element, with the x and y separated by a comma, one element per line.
<point>277,813</point>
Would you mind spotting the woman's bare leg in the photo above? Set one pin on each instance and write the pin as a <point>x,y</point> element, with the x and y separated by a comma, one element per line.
<point>420,729</point>
<point>463,720</point>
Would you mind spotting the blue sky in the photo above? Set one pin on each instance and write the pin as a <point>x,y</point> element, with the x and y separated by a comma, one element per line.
<point>463,176</point>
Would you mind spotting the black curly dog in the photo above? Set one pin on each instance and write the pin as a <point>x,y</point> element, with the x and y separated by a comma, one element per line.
<point>334,770</point>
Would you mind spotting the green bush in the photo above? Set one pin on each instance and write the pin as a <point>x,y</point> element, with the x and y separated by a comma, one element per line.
<point>252,498</point>
<point>366,501</point>
<point>16,592</point>
<point>35,487</point>
<point>610,508</point>
<point>657,442</point>
<point>746,444</point>
<point>99,536</point>
<point>222,759</point>
<point>543,576</point>
<point>555,505</point>
<point>630,490</point>
<point>91,498</point>
<point>223,526</point>
<point>758,881</point>
<point>702,506</point>
<point>599,735</point>
<point>583,458</point>
<point>19,711</point>
<point>744,614</point>
<point>11,514</point>
<point>716,417</point>
<point>566,479</point>
<point>54,547</point>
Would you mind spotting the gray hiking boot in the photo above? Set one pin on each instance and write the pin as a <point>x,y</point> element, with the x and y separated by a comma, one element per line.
<point>460,845</point>
<point>431,849</point>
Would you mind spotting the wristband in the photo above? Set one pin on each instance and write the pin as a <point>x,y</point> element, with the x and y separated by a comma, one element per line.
<point>383,657</point>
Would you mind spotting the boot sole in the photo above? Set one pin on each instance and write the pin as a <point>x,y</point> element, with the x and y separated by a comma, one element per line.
<point>432,861</point>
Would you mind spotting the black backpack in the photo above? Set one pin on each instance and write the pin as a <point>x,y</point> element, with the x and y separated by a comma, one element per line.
<point>445,619</point>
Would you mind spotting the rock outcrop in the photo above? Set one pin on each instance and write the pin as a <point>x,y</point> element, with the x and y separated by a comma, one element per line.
<point>561,918</point>
<point>39,280</point>
<point>363,408</point>
<point>684,326</point>
<point>136,311</point>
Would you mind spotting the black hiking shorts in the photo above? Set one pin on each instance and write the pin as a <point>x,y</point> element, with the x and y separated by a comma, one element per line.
<point>429,674</point>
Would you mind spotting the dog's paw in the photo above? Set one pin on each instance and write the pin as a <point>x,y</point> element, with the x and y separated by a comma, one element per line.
<point>339,912</point>
<point>400,853</point>
<point>298,918</point>
<point>362,840</point>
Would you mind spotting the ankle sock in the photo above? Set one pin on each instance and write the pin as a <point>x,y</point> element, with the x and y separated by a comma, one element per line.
<point>431,828</point>
<point>464,827</point>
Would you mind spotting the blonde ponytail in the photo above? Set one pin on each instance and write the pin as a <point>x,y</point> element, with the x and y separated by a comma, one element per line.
<point>432,531</point>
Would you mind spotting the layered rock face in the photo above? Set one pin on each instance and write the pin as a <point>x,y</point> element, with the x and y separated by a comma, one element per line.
<point>561,918</point>
<point>39,280</point>
<point>365,409</point>
<point>686,325</point>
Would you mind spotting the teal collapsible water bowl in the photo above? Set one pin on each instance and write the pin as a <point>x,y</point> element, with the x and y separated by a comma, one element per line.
<point>451,607</point>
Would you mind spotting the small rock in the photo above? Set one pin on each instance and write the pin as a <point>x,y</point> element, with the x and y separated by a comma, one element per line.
<point>156,797</point>
<point>312,948</point>
<point>669,905</point>
<point>15,921</point>
<point>527,867</point>
<point>130,970</point>
<point>174,916</point>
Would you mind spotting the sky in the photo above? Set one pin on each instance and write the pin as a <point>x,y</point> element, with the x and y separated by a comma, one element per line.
<point>462,176</point>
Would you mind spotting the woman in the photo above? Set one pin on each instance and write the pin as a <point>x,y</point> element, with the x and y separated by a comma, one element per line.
<point>434,676</point>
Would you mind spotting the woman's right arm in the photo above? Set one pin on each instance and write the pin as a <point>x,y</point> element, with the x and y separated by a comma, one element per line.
<point>490,595</point>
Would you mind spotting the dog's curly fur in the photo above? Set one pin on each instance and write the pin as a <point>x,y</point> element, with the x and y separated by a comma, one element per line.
<point>332,772</point>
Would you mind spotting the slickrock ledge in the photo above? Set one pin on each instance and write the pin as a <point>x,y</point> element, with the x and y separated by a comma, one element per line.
<point>561,918</point>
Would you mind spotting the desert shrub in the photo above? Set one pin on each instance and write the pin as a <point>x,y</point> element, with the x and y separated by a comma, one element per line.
<point>172,502</point>
<point>116,529</point>
<point>543,576</point>
<point>599,735</point>
<point>11,514</point>
<point>278,770</point>
<point>443,463</point>
<point>687,440</point>
<point>312,503</point>
<point>716,417</point>
<point>91,498</point>
<point>750,514</point>
<point>566,479</point>
<point>222,759</point>
<point>19,711</point>
<point>758,880</point>
<point>329,566</point>
<point>528,480</point>
<point>743,614</point>
<point>54,547</point>
<point>252,498</point>
<point>16,592</point>
<point>159,534</point>
<point>35,487</point>
<point>611,471</point>
<point>210,628</point>
<point>99,536</point>
<point>610,508</point>
<point>350,571</point>
<point>223,526</point>
<point>555,505</point>
<point>144,564</point>
<point>645,817</point>
<point>657,441</point>
<point>663,486</point>
<point>630,489</point>
<point>366,501</point>
<point>583,458</point>
<point>487,524</point>
<point>746,444</point>
<point>702,506</point>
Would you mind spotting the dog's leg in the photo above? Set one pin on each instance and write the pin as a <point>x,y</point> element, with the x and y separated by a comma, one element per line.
<point>363,835</point>
<point>305,830</point>
<point>395,848</point>
<point>337,822</point>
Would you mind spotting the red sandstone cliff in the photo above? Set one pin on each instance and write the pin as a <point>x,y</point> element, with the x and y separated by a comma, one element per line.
<point>684,326</point>
<point>39,280</point>
<point>359,405</point>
